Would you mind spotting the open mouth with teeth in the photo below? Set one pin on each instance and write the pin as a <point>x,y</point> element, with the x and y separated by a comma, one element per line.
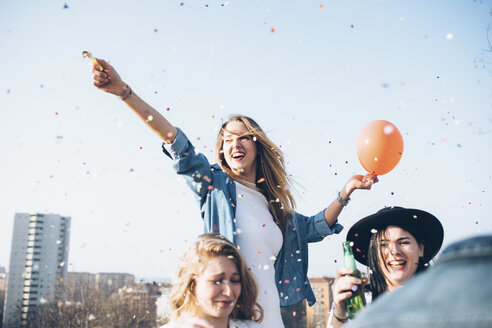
<point>396,265</point>
<point>225,303</point>
<point>238,156</point>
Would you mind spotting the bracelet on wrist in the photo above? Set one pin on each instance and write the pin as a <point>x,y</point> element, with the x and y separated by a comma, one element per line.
<point>127,91</point>
<point>341,201</point>
<point>342,320</point>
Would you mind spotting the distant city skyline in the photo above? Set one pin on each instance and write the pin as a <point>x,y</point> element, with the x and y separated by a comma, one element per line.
<point>311,73</point>
<point>38,262</point>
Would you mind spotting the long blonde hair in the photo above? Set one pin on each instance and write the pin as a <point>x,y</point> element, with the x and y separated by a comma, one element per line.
<point>271,177</point>
<point>193,262</point>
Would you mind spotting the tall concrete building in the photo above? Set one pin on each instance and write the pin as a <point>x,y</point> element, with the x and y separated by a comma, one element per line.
<point>38,262</point>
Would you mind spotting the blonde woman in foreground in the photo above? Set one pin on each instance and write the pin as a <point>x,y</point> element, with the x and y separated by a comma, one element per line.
<point>213,288</point>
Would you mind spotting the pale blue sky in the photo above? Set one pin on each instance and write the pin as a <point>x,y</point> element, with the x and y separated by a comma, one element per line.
<point>313,83</point>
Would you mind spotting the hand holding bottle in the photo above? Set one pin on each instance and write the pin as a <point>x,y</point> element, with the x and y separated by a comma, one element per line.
<point>344,287</point>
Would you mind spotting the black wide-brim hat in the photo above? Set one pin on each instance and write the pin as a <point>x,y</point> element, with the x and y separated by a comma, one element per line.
<point>412,220</point>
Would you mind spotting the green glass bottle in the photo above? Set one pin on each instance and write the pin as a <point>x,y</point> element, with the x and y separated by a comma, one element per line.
<point>358,300</point>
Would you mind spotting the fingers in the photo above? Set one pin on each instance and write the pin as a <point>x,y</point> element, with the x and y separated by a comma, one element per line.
<point>339,298</point>
<point>101,62</point>
<point>101,77</point>
<point>345,284</point>
<point>370,178</point>
<point>365,182</point>
<point>341,272</point>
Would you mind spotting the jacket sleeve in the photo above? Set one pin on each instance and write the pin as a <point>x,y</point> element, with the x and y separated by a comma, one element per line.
<point>316,227</point>
<point>194,167</point>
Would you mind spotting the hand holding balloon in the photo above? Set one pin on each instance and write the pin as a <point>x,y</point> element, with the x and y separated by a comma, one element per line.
<point>379,147</point>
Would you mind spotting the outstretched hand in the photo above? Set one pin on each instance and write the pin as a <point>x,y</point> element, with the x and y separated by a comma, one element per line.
<point>360,182</point>
<point>108,79</point>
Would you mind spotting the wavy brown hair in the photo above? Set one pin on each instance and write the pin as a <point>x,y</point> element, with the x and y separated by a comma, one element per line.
<point>271,177</point>
<point>192,264</point>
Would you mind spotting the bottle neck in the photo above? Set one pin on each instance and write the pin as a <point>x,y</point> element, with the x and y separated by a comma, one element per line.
<point>349,259</point>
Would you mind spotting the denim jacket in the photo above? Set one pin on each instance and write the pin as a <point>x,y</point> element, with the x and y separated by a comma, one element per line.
<point>216,194</point>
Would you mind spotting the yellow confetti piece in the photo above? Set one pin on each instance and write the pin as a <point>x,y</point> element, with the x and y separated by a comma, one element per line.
<point>87,54</point>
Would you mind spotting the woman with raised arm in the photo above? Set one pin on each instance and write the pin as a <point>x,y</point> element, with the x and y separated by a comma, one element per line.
<point>246,198</point>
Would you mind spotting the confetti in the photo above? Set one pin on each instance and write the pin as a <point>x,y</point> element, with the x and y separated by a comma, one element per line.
<point>449,36</point>
<point>373,231</point>
<point>65,6</point>
<point>272,30</point>
<point>210,187</point>
<point>261,180</point>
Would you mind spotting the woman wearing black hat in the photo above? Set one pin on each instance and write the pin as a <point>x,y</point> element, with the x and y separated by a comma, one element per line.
<point>395,243</point>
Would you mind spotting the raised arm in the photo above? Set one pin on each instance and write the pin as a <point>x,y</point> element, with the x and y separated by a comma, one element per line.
<point>356,182</point>
<point>110,81</point>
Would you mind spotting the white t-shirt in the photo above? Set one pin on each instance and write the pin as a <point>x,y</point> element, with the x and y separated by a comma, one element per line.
<point>232,324</point>
<point>259,240</point>
<point>243,324</point>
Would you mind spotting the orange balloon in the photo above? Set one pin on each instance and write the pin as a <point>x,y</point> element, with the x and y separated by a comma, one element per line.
<point>379,147</point>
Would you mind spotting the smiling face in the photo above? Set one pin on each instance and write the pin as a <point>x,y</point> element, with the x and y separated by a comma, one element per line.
<point>400,256</point>
<point>239,150</point>
<point>217,289</point>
